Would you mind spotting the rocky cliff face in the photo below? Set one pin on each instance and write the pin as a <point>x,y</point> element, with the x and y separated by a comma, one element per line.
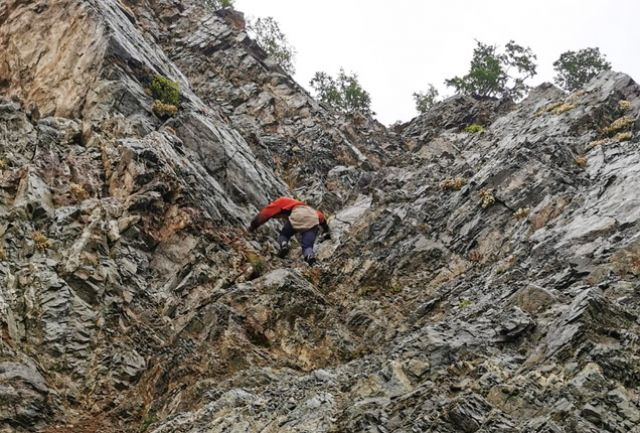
<point>481,282</point>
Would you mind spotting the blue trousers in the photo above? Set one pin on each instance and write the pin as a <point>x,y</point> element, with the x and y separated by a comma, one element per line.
<point>307,238</point>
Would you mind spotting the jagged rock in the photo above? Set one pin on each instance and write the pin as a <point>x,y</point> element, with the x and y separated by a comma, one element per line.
<point>534,299</point>
<point>24,396</point>
<point>34,196</point>
<point>474,282</point>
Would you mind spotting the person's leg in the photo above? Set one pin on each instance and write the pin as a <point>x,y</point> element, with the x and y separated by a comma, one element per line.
<point>308,239</point>
<point>285,235</point>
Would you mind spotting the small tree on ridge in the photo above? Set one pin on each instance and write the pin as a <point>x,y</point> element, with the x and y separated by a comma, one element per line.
<point>575,68</point>
<point>497,74</point>
<point>425,100</point>
<point>267,33</point>
<point>343,94</point>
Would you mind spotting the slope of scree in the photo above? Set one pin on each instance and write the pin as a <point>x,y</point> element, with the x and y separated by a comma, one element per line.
<point>475,282</point>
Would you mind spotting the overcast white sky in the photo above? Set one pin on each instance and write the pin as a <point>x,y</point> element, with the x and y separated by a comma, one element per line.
<point>398,47</point>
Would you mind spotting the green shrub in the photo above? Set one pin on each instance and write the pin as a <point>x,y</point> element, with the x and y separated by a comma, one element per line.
<point>257,264</point>
<point>165,90</point>
<point>474,128</point>
<point>465,303</point>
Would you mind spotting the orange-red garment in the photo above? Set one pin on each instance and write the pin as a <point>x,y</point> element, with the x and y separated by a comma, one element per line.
<point>279,208</point>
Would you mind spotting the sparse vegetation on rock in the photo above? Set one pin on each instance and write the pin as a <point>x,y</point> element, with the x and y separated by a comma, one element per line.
<point>167,96</point>
<point>557,107</point>
<point>474,128</point>
<point>581,161</point>
<point>163,110</point>
<point>40,240</point>
<point>149,306</point>
<point>465,303</point>
<point>455,183</point>
<point>165,90</point>
<point>78,192</point>
<point>624,105</point>
<point>487,198</point>
<point>623,136</point>
<point>619,125</point>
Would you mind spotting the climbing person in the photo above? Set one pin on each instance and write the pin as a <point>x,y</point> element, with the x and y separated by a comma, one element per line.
<point>301,219</point>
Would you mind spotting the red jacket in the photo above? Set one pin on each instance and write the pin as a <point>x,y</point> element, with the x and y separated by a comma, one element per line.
<point>281,208</point>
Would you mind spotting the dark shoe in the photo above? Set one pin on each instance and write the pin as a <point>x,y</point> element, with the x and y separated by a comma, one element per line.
<point>310,260</point>
<point>283,251</point>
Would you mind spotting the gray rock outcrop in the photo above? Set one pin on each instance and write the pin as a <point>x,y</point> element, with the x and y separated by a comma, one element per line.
<point>482,282</point>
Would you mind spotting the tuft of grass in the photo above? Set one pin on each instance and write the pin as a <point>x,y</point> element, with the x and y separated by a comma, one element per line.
<point>618,125</point>
<point>505,265</point>
<point>465,303</point>
<point>562,108</point>
<point>148,419</point>
<point>596,143</point>
<point>78,192</point>
<point>474,128</point>
<point>575,95</point>
<point>165,90</point>
<point>3,164</point>
<point>41,241</point>
<point>624,105</point>
<point>556,108</point>
<point>623,136</point>
<point>475,256</point>
<point>3,254</point>
<point>453,183</point>
<point>626,263</point>
<point>163,110</point>
<point>549,107</point>
<point>487,198</point>
<point>395,289</point>
<point>522,213</point>
<point>257,264</point>
<point>581,161</point>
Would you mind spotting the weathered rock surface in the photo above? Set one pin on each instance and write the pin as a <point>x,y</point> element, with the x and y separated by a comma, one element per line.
<point>475,282</point>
